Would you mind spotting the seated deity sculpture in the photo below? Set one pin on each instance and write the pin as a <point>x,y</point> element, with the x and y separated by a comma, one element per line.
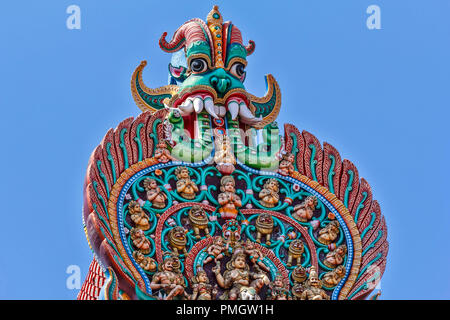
<point>154,194</point>
<point>185,186</point>
<point>138,216</point>
<point>269,196</point>
<point>330,233</point>
<point>304,211</point>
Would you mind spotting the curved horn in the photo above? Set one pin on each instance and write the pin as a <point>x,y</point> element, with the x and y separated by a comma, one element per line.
<point>250,47</point>
<point>192,30</point>
<point>268,106</point>
<point>148,99</point>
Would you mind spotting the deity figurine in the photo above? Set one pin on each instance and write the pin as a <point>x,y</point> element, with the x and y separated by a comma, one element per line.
<point>138,216</point>
<point>277,289</point>
<point>139,240</point>
<point>177,240</point>
<point>201,288</point>
<point>332,278</point>
<point>286,166</point>
<point>169,278</point>
<point>264,226</point>
<point>254,255</point>
<point>162,154</point>
<point>228,199</point>
<point>304,211</point>
<point>260,280</point>
<point>235,277</point>
<point>185,186</point>
<point>199,221</point>
<point>146,263</point>
<point>154,193</point>
<point>330,233</point>
<point>269,196</point>
<point>314,289</point>
<point>215,250</point>
<point>224,157</point>
<point>335,257</point>
<point>295,251</point>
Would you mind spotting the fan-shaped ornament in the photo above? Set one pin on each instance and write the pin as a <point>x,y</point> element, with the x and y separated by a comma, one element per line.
<point>201,198</point>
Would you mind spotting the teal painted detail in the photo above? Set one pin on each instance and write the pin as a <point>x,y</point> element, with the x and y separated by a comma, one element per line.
<point>370,226</point>
<point>365,285</point>
<point>313,162</point>
<point>153,100</point>
<point>94,206</point>
<point>123,147</point>
<point>137,139</point>
<point>198,47</point>
<point>331,173</point>
<point>372,245</point>
<point>124,269</point>
<point>264,109</point>
<point>99,197</point>
<point>235,50</point>
<point>379,255</point>
<point>212,78</point>
<point>294,150</point>
<point>154,135</point>
<point>349,187</point>
<point>102,175</point>
<point>360,206</point>
<point>111,161</point>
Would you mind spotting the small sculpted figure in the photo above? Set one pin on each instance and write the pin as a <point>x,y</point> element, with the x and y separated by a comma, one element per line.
<point>154,193</point>
<point>264,227</point>
<point>215,250</point>
<point>286,166</point>
<point>202,289</point>
<point>332,278</point>
<point>169,279</point>
<point>330,233</point>
<point>177,240</point>
<point>162,154</point>
<point>199,221</point>
<point>228,199</point>
<point>138,216</point>
<point>254,255</point>
<point>278,290</point>
<point>146,263</point>
<point>304,211</point>
<point>295,251</point>
<point>314,289</point>
<point>235,277</point>
<point>269,196</point>
<point>335,257</point>
<point>260,280</point>
<point>185,186</point>
<point>140,242</point>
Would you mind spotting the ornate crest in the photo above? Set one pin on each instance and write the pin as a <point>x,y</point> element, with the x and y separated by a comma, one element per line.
<point>200,197</point>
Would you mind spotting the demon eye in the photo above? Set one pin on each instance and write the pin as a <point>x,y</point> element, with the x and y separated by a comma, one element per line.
<point>198,65</point>
<point>238,69</point>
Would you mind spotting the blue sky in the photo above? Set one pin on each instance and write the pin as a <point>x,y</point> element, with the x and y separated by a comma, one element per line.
<point>381,97</point>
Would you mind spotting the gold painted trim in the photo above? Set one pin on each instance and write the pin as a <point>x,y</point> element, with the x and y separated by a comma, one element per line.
<point>272,116</point>
<point>169,89</point>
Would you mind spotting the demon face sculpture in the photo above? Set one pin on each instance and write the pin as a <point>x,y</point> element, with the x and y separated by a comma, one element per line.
<point>209,76</point>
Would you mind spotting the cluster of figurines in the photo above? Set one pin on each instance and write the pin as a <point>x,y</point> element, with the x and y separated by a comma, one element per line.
<point>245,275</point>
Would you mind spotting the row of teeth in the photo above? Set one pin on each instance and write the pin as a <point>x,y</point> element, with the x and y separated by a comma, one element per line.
<point>235,108</point>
